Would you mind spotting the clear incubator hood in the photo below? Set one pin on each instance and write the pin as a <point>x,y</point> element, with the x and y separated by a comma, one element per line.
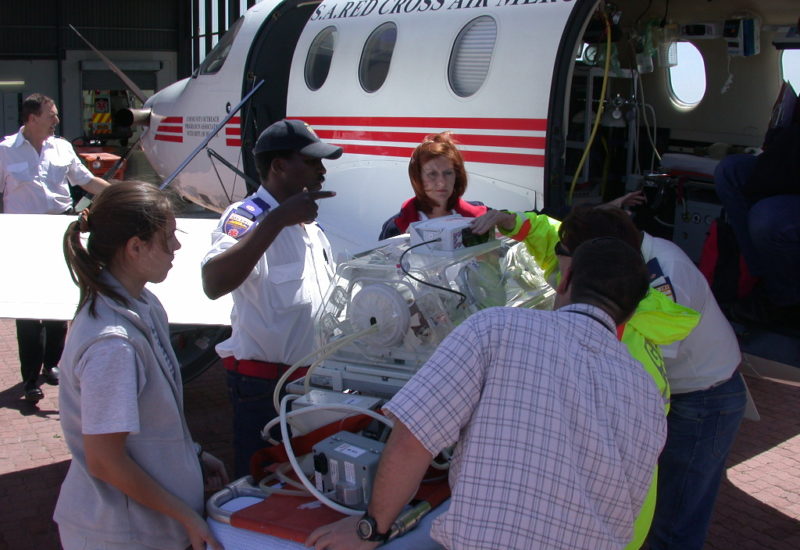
<point>389,308</point>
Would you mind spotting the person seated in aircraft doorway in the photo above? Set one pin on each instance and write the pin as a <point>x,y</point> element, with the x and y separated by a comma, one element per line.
<point>439,180</point>
<point>761,198</point>
<point>557,428</point>
<point>275,260</point>
<point>707,392</point>
<point>136,478</point>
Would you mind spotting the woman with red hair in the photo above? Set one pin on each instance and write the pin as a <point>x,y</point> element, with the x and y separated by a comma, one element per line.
<point>439,179</point>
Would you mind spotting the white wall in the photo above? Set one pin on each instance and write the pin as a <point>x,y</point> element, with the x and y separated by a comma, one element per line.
<point>39,76</point>
<point>755,84</point>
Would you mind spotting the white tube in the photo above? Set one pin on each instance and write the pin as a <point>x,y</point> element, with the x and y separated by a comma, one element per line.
<point>327,349</point>
<point>327,406</point>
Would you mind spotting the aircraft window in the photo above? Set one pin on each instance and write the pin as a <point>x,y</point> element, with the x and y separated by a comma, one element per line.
<point>790,65</point>
<point>216,57</point>
<point>687,79</point>
<point>376,57</point>
<point>472,55</point>
<point>318,62</point>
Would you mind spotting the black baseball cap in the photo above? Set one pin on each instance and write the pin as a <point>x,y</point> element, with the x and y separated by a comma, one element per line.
<point>295,135</point>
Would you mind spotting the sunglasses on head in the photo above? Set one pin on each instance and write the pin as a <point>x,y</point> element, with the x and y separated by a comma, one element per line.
<point>561,250</point>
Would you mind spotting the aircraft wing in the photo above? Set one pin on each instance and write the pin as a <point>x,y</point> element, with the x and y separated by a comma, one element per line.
<point>35,282</point>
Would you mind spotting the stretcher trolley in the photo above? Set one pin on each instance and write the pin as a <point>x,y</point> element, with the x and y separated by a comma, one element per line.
<point>242,517</point>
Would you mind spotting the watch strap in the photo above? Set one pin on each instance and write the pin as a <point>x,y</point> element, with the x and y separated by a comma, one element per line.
<point>375,536</point>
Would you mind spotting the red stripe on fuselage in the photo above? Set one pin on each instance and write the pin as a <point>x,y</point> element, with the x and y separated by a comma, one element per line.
<point>517,159</point>
<point>170,129</point>
<point>445,123</point>
<point>364,129</point>
<point>529,142</point>
<point>169,137</point>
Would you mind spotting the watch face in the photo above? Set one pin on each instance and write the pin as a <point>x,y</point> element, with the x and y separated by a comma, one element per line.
<point>364,528</point>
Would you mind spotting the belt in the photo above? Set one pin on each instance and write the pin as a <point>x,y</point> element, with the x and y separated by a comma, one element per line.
<point>260,369</point>
<point>735,372</point>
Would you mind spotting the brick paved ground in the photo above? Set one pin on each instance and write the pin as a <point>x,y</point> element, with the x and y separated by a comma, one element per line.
<point>758,507</point>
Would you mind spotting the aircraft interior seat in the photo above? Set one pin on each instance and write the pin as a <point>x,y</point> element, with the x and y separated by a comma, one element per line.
<point>682,163</point>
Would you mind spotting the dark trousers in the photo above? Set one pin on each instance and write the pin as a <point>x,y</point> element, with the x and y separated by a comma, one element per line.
<point>40,343</point>
<point>251,399</point>
<point>701,427</point>
<point>768,231</point>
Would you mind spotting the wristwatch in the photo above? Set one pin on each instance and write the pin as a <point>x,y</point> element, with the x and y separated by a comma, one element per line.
<point>367,529</point>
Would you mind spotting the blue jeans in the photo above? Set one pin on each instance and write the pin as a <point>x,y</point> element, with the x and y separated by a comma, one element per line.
<point>251,399</point>
<point>701,427</point>
<point>768,230</point>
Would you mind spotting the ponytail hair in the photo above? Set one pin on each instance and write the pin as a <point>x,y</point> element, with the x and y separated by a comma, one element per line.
<point>120,212</point>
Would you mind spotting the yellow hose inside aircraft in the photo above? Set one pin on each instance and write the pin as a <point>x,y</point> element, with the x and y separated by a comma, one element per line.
<point>600,108</point>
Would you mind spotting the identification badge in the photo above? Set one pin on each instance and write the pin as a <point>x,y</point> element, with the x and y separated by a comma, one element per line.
<point>659,281</point>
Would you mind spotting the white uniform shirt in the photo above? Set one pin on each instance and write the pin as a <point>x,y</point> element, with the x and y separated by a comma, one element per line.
<point>710,353</point>
<point>274,308</point>
<point>34,183</point>
<point>558,430</point>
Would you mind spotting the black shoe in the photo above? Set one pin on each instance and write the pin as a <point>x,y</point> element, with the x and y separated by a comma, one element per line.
<point>34,395</point>
<point>51,375</point>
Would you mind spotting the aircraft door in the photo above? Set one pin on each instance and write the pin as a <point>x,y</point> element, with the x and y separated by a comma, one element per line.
<point>270,59</point>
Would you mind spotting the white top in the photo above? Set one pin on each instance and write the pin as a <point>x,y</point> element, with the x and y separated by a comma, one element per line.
<point>710,353</point>
<point>274,308</point>
<point>558,430</point>
<point>33,183</point>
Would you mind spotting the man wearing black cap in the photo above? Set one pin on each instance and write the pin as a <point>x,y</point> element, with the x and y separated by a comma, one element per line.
<point>268,251</point>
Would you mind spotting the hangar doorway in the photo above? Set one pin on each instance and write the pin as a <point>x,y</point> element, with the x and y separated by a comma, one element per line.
<point>103,94</point>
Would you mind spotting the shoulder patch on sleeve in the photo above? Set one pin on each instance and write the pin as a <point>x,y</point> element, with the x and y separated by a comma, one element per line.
<point>236,225</point>
<point>244,217</point>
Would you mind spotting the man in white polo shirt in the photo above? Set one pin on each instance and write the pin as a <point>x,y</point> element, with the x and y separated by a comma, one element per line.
<point>36,170</point>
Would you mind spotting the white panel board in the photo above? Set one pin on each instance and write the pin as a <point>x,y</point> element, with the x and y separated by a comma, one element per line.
<point>35,282</point>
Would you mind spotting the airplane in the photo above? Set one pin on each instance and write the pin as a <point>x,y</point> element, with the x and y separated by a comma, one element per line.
<point>523,84</point>
<point>552,102</point>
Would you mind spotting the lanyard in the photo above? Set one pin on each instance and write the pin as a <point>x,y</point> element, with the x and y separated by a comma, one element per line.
<point>598,319</point>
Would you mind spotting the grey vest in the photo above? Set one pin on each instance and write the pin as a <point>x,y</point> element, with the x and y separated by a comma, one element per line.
<point>163,447</point>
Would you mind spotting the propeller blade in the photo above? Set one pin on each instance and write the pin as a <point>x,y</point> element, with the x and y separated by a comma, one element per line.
<point>116,70</point>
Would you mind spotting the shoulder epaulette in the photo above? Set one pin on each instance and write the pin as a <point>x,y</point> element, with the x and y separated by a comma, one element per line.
<point>244,217</point>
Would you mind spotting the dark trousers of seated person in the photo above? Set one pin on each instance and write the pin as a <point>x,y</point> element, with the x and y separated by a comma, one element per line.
<point>40,344</point>
<point>767,230</point>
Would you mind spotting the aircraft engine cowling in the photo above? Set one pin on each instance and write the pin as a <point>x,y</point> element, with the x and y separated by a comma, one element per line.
<point>132,117</point>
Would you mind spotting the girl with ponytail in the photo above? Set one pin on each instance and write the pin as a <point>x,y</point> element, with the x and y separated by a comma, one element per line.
<point>135,470</point>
